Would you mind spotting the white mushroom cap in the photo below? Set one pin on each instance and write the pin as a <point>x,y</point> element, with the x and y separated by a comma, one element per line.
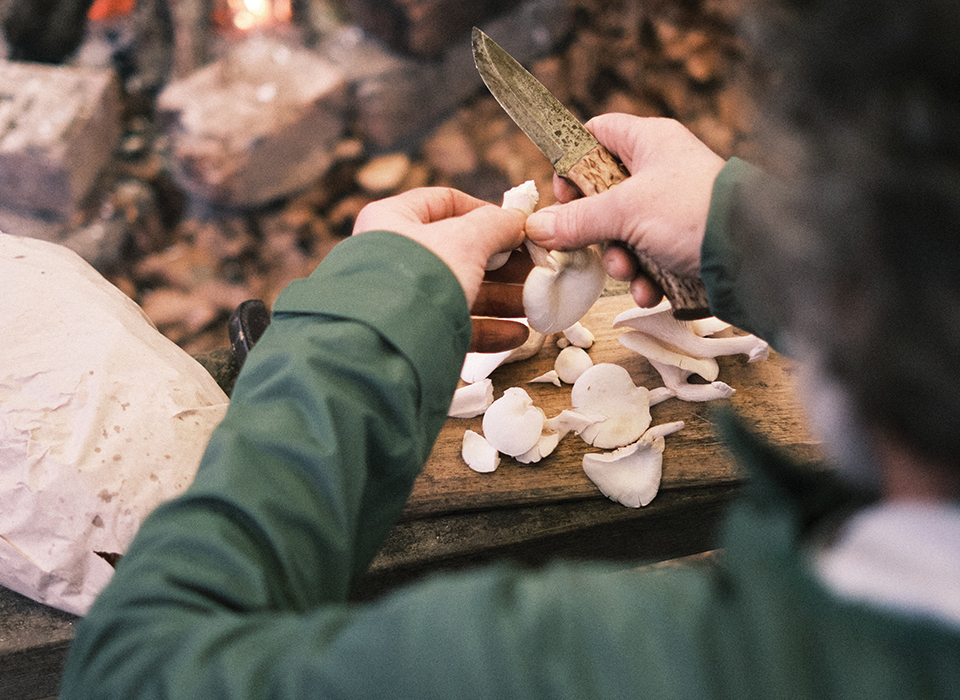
<point>513,424</point>
<point>630,475</point>
<point>471,400</point>
<point>572,362</point>
<point>607,390</point>
<point>559,293</point>
<point>479,454</point>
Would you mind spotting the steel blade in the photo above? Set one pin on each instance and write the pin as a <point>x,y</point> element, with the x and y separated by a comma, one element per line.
<point>556,132</point>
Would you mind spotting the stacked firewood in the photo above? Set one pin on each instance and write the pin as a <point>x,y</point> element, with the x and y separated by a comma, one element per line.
<point>189,269</point>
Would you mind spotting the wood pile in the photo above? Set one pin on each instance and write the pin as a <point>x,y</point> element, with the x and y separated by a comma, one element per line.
<point>189,269</point>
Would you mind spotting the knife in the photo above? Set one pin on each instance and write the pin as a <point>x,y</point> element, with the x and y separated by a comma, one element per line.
<point>575,154</point>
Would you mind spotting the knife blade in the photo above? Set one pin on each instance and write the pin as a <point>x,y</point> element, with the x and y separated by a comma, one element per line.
<point>574,153</point>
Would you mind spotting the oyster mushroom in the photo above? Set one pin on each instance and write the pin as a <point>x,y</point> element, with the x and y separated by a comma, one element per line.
<point>654,350</point>
<point>523,197</point>
<point>571,363</point>
<point>562,287</point>
<point>512,424</point>
<point>675,379</point>
<point>631,475</point>
<point>622,408</point>
<point>659,323</point>
<point>578,335</point>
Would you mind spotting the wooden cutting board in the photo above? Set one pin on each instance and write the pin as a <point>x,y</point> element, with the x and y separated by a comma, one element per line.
<point>693,457</point>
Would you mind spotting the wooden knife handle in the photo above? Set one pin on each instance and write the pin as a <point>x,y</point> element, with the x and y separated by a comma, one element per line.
<point>597,172</point>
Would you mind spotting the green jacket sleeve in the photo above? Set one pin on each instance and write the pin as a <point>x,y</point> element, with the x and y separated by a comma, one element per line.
<point>237,590</point>
<point>330,422</point>
<point>721,258</point>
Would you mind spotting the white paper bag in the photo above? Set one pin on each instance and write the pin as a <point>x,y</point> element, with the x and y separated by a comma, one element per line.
<point>101,419</point>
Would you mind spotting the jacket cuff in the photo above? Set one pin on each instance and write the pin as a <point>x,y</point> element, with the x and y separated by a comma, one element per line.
<point>719,259</point>
<point>397,287</point>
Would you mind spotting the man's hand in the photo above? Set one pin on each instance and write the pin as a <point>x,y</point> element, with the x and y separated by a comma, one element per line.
<point>661,208</point>
<point>464,232</point>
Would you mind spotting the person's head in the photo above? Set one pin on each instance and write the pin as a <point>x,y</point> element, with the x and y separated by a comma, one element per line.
<point>861,105</point>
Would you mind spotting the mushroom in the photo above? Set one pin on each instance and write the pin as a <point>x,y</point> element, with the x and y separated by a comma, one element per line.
<point>547,443</point>
<point>631,475</point>
<point>550,377</point>
<point>658,322</point>
<point>478,365</point>
<point>479,454</point>
<point>523,197</point>
<point>571,363</point>
<point>512,424</point>
<point>653,350</point>
<point>676,378</point>
<point>471,400</point>
<point>622,408</point>
<point>562,287</point>
<point>578,335</point>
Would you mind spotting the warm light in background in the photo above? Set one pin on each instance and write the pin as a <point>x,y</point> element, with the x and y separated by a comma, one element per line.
<point>108,9</point>
<point>248,14</point>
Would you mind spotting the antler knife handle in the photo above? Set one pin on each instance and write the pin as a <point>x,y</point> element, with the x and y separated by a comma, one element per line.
<point>597,172</point>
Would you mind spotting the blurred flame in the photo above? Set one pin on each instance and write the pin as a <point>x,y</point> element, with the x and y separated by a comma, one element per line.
<point>108,9</point>
<point>248,14</point>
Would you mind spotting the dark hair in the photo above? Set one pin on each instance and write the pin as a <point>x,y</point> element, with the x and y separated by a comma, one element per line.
<point>859,237</point>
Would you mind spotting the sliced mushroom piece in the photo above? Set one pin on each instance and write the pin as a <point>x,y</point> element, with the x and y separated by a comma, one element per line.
<point>523,197</point>
<point>471,400</point>
<point>676,378</point>
<point>579,335</point>
<point>607,390</point>
<point>571,363</point>
<point>569,421</point>
<point>631,475</point>
<point>549,439</point>
<point>550,377</point>
<point>560,290</point>
<point>513,424</point>
<point>479,365</point>
<point>479,454</point>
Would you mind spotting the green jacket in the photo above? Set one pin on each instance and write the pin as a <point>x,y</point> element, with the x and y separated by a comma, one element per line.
<point>238,588</point>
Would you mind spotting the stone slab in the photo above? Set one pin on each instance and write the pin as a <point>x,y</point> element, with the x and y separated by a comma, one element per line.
<point>259,124</point>
<point>59,126</point>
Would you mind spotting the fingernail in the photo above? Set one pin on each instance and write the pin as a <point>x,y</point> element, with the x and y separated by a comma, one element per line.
<point>541,223</point>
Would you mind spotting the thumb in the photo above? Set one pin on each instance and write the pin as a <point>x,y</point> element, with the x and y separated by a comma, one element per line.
<point>578,223</point>
<point>493,229</point>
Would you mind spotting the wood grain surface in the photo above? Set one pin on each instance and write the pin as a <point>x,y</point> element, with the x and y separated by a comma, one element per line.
<point>693,457</point>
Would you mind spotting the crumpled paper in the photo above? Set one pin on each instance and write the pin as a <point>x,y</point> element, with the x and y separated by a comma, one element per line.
<point>102,418</point>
